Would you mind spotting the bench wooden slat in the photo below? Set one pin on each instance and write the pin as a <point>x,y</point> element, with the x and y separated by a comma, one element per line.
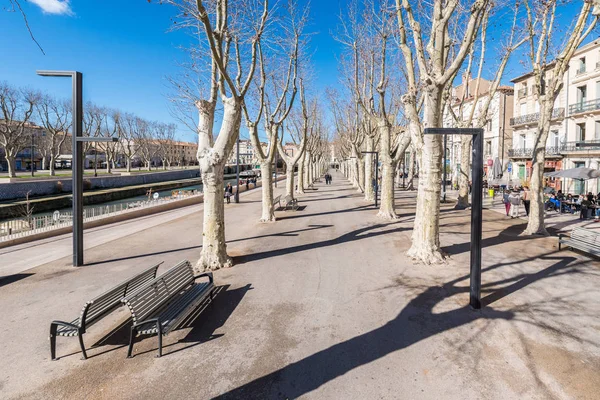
<point>159,306</point>
<point>97,308</point>
<point>584,240</point>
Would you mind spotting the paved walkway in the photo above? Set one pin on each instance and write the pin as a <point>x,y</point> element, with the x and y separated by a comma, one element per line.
<point>321,304</point>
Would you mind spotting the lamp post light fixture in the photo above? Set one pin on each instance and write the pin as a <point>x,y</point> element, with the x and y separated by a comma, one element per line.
<point>476,205</point>
<point>376,184</point>
<point>76,163</point>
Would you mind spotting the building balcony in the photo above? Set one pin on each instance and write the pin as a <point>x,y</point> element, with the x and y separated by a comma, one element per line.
<point>557,113</point>
<point>525,152</point>
<point>580,71</point>
<point>522,93</point>
<point>571,147</point>
<point>585,106</point>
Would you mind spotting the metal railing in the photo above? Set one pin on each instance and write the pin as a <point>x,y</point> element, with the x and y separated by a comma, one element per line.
<point>525,152</point>
<point>557,113</point>
<point>583,106</point>
<point>26,226</point>
<point>522,92</point>
<point>572,146</point>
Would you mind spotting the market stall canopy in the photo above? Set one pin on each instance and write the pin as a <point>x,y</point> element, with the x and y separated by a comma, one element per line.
<point>581,174</point>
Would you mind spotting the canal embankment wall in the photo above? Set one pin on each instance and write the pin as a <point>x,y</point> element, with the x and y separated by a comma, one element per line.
<point>18,188</point>
<point>119,218</point>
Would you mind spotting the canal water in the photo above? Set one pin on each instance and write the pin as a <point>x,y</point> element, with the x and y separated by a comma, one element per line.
<point>135,199</point>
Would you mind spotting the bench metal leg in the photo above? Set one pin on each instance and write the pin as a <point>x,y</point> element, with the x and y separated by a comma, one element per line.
<point>84,355</point>
<point>53,328</point>
<point>159,345</point>
<point>131,341</point>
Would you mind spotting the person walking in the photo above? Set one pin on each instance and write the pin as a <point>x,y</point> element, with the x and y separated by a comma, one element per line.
<point>506,201</point>
<point>228,192</point>
<point>515,200</point>
<point>330,179</point>
<point>526,199</point>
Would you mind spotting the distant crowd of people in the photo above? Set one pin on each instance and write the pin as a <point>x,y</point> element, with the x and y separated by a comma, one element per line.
<point>558,201</point>
<point>571,204</point>
<point>229,187</point>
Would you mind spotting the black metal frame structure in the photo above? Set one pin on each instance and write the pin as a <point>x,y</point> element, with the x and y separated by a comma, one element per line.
<point>237,169</point>
<point>476,205</point>
<point>77,161</point>
<point>376,185</point>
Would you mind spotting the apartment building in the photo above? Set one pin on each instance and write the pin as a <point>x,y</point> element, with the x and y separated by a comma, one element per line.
<point>497,131</point>
<point>576,119</point>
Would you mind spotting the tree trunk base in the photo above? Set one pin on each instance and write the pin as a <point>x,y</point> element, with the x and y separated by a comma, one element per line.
<point>212,262</point>
<point>267,220</point>
<point>535,232</point>
<point>387,215</point>
<point>426,254</point>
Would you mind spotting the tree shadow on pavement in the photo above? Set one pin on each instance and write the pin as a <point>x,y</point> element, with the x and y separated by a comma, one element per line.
<point>358,234</point>
<point>417,321</point>
<point>8,279</point>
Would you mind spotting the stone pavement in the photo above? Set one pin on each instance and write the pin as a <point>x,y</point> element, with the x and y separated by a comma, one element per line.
<point>321,304</point>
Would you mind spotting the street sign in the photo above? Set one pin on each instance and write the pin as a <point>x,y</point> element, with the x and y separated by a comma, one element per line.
<point>55,216</point>
<point>155,196</point>
<point>509,167</point>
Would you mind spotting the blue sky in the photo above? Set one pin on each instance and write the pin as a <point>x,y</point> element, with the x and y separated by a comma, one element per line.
<point>124,50</point>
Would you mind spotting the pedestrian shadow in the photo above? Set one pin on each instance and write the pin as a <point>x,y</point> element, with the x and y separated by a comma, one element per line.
<point>416,322</point>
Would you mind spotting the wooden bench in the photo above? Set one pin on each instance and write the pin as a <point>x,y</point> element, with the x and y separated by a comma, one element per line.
<point>290,202</point>
<point>582,239</point>
<point>162,304</point>
<point>277,200</point>
<point>96,309</point>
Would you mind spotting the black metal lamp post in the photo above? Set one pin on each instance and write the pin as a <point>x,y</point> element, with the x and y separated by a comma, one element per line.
<point>376,185</point>
<point>476,205</point>
<point>76,163</point>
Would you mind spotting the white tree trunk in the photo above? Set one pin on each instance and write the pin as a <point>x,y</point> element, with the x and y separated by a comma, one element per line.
<point>52,161</point>
<point>426,232</point>
<point>214,249</point>
<point>289,183</point>
<point>536,225</point>
<point>128,164</point>
<point>10,160</point>
<point>387,206</point>
<point>268,212</point>
<point>369,173</point>
<point>44,161</point>
<point>411,171</point>
<point>300,189</point>
<point>464,173</point>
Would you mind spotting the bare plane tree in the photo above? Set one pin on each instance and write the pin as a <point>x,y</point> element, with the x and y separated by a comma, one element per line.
<point>224,24</point>
<point>16,107</point>
<point>439,54</point>
<point>55,117</point>
<point>548,71</point>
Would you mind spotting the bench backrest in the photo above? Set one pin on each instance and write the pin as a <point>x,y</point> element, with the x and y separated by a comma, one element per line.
<point>95,309</point>
<point>586,236</point>
<point>288,199</point>
<point>154,294</point>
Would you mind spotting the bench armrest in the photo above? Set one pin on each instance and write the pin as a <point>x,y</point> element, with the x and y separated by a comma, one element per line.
<point>207,274</point>
<point>65,324</point>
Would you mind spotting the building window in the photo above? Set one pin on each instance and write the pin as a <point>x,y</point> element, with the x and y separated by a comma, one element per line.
<point>597,130</point>
<point>581,69</point>
<point>582,94</point>
<point>522,141</point>
<point>580,132</point>
<point>488,147</point>
<point>555,139</point>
